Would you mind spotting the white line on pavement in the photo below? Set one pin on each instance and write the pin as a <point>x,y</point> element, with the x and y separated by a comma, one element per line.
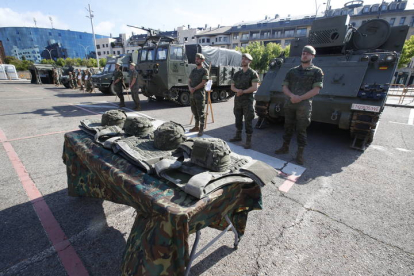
<point>411,117</point>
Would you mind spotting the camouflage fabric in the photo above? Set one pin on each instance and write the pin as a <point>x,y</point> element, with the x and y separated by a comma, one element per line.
<point>135,89</point>
<point>243,105</point>
<point>118,86</point>
<point>74,80</point>
<point>88,82</point>
<point>138,126</point>
<point>169,136</point>
<point>197,99</point>
<point>113,117</point>
<point>211,153</point>
<point>166,216</point>
<point>298,115</point>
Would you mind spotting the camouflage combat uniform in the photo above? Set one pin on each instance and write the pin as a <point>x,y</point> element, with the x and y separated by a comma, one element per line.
<point>135,89</point>
<point>56,77</point>
<point>88,81</point>
<point>75,80</point>
<point>299,81</point>
<point>243,105</point>
<point>118,86</point>
<point>197,99</point>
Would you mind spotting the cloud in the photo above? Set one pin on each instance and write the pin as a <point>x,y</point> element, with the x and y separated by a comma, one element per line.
<point>10,18</point>
<point>104,28</point>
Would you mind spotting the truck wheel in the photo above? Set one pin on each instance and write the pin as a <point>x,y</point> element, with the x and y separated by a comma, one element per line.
<point>159,98</point>
<point>184,98</point>
<point>214,96</point>
<point>222,95</point>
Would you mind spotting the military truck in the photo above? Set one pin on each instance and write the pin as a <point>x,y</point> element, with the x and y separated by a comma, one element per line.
<point>164,67</point>
<point>64,78</point>
<point>358,65</point>
<point>42,73</point>
<point>103,80</point>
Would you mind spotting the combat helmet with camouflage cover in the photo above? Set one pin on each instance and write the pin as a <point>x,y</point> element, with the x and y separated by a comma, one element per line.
<point>138,126</point>
<point>211,153</point>
<point>113,117</point>
<point>169,136</point>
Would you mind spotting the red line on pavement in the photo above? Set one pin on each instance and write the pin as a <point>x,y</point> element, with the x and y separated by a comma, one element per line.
<point>290,181</point>
<point>67,254</point>
<point>40,135</point>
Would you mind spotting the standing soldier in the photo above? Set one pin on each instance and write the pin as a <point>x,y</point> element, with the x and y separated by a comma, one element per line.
<point>301,84</point>
<point>134,86</point>
<point>196,83</point>
<point>88,81</point>
<point>75,79</point>
<point>55,77</point>
<point>70,80</point>
<point>244,83</point>
<point>118,79</point>
<point>81,79</point>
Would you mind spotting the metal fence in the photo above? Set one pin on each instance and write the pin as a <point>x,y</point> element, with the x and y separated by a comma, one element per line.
<point>400,94</point>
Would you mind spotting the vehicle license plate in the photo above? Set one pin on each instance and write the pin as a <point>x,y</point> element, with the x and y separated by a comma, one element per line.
<point>364,107</point>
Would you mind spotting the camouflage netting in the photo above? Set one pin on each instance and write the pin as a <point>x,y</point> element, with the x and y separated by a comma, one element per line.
<point>166,215</point>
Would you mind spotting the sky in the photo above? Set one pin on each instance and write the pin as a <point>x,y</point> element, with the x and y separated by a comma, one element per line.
<point>112,17</point>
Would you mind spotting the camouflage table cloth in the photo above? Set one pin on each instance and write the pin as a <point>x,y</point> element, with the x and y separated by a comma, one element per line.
<point>166,216</point>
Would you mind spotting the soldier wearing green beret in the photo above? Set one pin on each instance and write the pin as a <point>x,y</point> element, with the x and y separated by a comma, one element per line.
<point>301,84</point>
<point>118,79</point>
<point>196,83</point>
<point>244,83</point>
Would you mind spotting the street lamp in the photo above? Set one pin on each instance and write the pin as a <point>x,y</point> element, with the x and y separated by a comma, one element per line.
<point>317,8</point>
<point>50,52</point>
<point>93,32</point>
<point>85,48</point>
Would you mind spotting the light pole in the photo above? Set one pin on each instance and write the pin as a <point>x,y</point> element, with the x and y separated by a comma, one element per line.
<point>85,48</point>
<point>317,8</point>
<point>93,32</point>
<point>50,52</point>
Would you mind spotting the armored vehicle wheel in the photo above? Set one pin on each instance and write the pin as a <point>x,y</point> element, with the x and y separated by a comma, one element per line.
<point>112,89</point>
<point>159,98</point>
<point>184,98</point>
<point>222,95</point>
<point>214,96</point>
<point>66,85</point>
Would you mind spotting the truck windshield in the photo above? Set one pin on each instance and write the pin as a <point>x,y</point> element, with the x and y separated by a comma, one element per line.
<point>176,53</point>
<point>161,54</point>
<point>109,68</point>
<point>150,56</point>
<point>144,55</point>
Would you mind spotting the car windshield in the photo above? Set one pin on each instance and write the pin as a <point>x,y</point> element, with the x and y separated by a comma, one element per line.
<point>161,54</point>
<point>109,68</point>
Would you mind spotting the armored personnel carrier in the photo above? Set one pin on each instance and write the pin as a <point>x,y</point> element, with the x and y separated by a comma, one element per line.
<point>164,68</point>
<point>358,65</point>
<point>103,80</point>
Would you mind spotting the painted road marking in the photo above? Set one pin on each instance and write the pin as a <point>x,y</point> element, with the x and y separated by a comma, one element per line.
<point>40,135</point>
<point>66,253</point>
<point>400,123</point>
<point>411,117</point>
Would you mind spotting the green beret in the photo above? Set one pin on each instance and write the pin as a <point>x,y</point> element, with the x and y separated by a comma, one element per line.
<point>309,49</point>
<point>200,56</point>
<point>248,56</point>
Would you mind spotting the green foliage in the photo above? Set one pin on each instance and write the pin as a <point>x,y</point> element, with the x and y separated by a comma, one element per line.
<point>407,52</point>
<point>92,62</point>
<point>60,62</point>
<point>48,61</point>
<point>262,55</point>
<point>21,65</point>
<point>102,62</point>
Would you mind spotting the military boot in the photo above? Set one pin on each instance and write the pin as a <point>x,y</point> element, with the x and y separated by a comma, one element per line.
<point>248,144</point>
<point>299,156</point>
<point>200,131</point>
<point>237,138</point>
<point>195,128</point>
<point>122,104</point>
<point>283,149</point>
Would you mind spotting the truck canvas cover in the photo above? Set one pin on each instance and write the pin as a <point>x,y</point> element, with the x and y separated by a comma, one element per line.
<point>214,55</point>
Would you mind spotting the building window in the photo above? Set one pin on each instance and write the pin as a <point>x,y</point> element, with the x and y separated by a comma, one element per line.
<point>50,33</point>
<point>107,47</point>
<point>412,21</point>
<point>80,36</point>
<point>402,21</point>
<point>98,47</point>
<point>208,40</point>
<point>99,53</point>
<point>192,37</point>
<point>255,35</point>
<point>118,52</point>
<point>199,41</point>
<point>245,36</point>
<point>392,21</point>
<point>220,38</point>
<point>203,40</point>
<point>59,34</point>
<point>235,45</point>
<point>236,36</point>
<point>114,52</point>
<point>289,33</point>
<point>185,39</point>
<point>244,45</point>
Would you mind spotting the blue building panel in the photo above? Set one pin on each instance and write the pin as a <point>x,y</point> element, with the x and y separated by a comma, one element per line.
<point>39,43</point>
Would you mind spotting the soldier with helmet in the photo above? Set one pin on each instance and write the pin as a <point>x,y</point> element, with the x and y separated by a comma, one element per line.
<point>244,83</point>
<point>301,84</point>
<point>196,83</point>
<point>118,79</point>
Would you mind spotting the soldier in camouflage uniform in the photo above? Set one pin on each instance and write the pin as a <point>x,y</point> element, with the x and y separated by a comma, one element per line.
<point>70,78</point>
<point>75,79</point>
<point>134,86</point>
<point>55,77</point>
<point>196,83</point>
<point>88,81</point>
<point>118,79</point>
<point>301,84</point>
<point>244,83</point>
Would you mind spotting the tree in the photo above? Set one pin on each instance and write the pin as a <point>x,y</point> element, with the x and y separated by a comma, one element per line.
<point>262,55</point>
<point>102,62</point>
<point>407,52</point>
<point>92,63</point>
<point>69,62</point>
<point>47,61</point>
<point>21,65</point>
<point>60,62</point>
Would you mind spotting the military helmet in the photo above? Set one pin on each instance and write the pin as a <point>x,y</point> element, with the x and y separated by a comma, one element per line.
<point>309,49</point>
<point>211,153</point>
<point>113,118</point>
<point>138,126</point>
<point>169,136</point>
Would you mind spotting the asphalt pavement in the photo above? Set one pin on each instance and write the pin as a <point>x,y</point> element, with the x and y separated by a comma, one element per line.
<point>344,212</point>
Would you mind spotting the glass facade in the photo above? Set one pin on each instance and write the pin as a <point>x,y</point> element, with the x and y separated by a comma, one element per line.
<point>41,43</point>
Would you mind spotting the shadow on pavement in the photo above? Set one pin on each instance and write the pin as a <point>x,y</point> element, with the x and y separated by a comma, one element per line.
<point>210,260</point>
